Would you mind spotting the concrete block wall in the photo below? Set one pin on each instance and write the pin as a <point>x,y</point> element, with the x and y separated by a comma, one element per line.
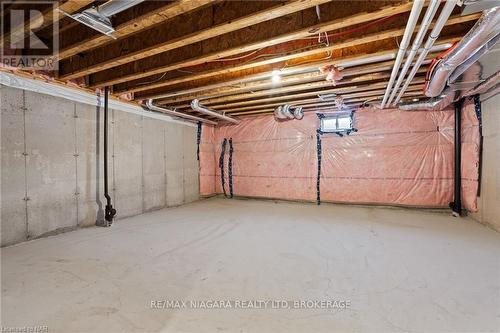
<point>52,164</point>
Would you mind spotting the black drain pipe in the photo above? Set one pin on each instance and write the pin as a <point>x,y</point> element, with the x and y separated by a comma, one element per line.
<point>456,205</point>
<point>110,212</point>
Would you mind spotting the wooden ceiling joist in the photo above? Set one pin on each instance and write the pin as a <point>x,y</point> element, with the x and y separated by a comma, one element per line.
<point>137,24</point>
<point>318,52</point>
<point>236,86</point>
<point>144,69</point>
<point>292,89</point>
<point>324,106</point>
<point>267,84</point>
<point>197,36</point>
<point>292,101</point>
<point>288,98</point>
<point>309,67</point>
<point>314,102</point>
<point>368,90</point>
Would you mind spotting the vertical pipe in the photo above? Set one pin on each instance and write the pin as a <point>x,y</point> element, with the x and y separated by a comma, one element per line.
<point>443,17</point>
<point>110,212</point>
<point>424,26</point>
<point>477,107</point>
<point>456,205</point>
<point>230,167</point>
<point>405,41</point>
<point>318,176</point>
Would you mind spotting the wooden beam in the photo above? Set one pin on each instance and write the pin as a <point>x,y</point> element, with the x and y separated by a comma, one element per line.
<point>317,106</point>
<point>286,98</point>
<point>265,41</point>
<point>378,94</point>
<point>108,78</point>
<point>219,29</point>
<point>369,90</point>
<point>291,89</point>
<point>311,102</point>
<point>289,71</point>
<point>73,6</point>
<point>269,105</point>
<point>314,52</point>
<point>136,24</point>
<point>235,87</point>
<point>295,88</point>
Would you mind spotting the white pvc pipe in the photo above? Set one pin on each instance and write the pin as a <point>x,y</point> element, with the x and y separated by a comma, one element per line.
<point>410,26</point>
<point>151,106</point>
<point>443,17</point>
<point>196,106</point>
<point>424,26</point>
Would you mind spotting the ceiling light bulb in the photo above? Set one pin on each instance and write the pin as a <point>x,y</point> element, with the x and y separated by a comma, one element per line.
<point>276,76</point>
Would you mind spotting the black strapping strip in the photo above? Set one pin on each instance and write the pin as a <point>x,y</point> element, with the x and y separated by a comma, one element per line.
<point>230,168</point>
<point>318,150</point>
<point>198,140</point>
<point>477,108</point>
<point>221,165</point>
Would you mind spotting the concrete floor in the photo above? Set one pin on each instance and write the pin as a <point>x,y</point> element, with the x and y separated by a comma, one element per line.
<point>401,270</point>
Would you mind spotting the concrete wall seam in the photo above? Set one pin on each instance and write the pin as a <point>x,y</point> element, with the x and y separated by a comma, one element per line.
<point>52,175</point>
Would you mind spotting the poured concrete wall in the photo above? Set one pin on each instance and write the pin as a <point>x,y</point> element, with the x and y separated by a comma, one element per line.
<point>489,199</point>
<point>52,172</point>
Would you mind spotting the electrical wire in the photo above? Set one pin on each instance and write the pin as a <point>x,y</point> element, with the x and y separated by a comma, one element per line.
<point>153,81</point>
<point>258,56</point>
<point>310,61</point>
<point>237,58</point>
<point>357,29</point>
<point>327,36</point>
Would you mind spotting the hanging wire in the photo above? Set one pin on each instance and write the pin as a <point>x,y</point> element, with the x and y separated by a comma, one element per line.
<point>321,44</point>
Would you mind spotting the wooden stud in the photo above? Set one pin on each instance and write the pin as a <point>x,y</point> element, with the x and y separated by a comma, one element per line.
<point>248,20</point>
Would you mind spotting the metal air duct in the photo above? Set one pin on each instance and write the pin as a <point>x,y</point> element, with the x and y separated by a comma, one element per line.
<point>99,18</point>
<point>485,29</point>
<point>288,112</point>
<point>431,104</point>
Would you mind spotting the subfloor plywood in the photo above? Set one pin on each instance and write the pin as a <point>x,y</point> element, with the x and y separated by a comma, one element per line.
<point>402,270</point>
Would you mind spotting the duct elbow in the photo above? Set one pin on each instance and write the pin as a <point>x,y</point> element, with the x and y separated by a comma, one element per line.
<point>431,104</point>
<point>485,29</point>
<point>288,112</point>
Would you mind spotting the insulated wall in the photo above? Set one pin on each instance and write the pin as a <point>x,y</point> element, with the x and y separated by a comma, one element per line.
<point>52,164</point>
<point>396,157</point>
